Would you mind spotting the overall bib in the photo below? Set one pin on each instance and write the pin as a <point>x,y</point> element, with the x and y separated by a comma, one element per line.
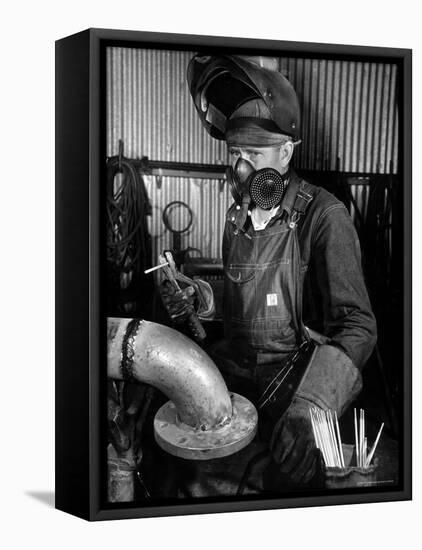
<point>263,298</point>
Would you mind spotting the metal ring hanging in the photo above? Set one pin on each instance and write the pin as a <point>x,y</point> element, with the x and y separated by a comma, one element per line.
<point>166,219</point>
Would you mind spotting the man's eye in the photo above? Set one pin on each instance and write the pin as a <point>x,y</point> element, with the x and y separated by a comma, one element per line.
<point>234,153</point>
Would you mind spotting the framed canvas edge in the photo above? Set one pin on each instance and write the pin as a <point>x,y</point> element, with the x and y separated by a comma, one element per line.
<point>72,368</point>
<point>99,37</point>
<point>192,40</point>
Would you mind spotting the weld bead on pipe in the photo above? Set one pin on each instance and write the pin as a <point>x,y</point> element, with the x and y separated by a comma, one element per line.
<point>202,420</point>
<point>178,367</point>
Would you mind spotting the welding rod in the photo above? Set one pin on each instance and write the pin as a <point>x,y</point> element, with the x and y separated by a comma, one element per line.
<point>156,267</point>
<point>356,438</point>
<point>340,445</point>
<point>371,454</point>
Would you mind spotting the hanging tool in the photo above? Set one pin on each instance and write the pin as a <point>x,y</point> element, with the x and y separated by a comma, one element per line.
<point>171,223</point>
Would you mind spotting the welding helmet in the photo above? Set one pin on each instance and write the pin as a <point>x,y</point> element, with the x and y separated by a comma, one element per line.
<point>219,85</point>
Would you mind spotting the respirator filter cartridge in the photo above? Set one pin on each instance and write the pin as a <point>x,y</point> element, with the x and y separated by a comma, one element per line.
<point>267,188</point>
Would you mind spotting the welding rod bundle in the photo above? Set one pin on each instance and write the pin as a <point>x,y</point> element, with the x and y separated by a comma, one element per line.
<point>328,439</point>
<point>363,459</point>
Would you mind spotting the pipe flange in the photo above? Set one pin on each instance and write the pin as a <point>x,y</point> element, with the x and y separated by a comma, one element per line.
<point>191,443</point>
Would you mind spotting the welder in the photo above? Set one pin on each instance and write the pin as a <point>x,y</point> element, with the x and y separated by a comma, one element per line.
<point>292,265</point>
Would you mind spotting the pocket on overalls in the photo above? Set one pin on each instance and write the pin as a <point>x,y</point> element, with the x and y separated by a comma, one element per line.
<point>274,293</point>
<point>273,329</point>
<point>241,291</point>
<point>240,274</point>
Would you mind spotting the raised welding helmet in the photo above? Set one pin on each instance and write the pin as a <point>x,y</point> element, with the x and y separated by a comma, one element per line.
<point>246,102</point>
<point>220,85</point>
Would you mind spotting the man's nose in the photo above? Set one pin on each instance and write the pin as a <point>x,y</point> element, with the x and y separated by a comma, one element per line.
<point>242,155</point>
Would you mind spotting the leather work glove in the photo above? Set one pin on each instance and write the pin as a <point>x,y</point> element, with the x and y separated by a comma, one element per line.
<point>179,303</point>
<point>332,382</point>
<point>293,445</point>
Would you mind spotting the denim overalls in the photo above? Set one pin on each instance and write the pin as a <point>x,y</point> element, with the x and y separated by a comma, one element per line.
<point>263,295</point>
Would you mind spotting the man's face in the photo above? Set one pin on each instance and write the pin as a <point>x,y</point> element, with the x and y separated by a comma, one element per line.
<point>260,157</point>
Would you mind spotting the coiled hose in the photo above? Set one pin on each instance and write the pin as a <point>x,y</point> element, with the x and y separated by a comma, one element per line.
<point>129,250</point>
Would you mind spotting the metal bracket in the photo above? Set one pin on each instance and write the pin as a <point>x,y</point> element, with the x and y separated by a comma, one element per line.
<point>120,154</point>
<point>159,180</point>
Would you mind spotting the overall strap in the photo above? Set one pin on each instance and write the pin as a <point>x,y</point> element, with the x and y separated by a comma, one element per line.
<point>302,201</point>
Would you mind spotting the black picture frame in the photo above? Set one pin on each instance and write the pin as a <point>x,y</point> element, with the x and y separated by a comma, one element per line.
<point>80,346</point>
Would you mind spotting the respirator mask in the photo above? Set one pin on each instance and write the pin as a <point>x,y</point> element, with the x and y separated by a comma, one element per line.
<point>264,188</point>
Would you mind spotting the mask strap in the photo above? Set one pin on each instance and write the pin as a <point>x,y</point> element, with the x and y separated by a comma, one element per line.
<point>242,213</point>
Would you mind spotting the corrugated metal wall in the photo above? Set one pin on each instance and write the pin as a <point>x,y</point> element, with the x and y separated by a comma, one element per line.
<point>149,107</point>
<point>349,123</point>
<point>349,113</point>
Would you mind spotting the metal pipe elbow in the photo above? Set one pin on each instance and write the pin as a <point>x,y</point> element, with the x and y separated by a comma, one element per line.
<point>177,366</point>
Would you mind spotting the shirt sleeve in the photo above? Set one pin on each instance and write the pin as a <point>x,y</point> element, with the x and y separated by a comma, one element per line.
<point>348,319</point>
<point>226,243</point>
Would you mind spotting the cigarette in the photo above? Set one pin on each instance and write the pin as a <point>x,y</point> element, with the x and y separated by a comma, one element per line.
<point>156,267</point>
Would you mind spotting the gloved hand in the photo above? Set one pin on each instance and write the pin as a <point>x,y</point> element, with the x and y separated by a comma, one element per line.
<point>293,445</point>
<point>179,303</point>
